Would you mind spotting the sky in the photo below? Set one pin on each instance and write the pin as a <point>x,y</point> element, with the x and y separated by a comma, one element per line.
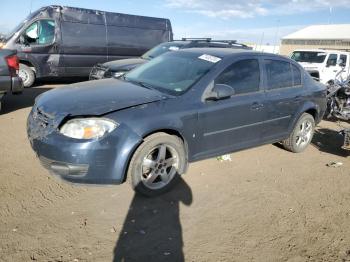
<point>248,21</point>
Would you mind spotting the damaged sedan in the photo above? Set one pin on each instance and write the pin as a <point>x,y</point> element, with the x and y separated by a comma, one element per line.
<point>178,108</point>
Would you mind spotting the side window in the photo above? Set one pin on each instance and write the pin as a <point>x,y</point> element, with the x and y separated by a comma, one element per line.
<point>279,74</point>
<point>41,32</point>
<point>343,58</point>
<point>332,60</point>
<point>243,76</point>
<point>296,75</point>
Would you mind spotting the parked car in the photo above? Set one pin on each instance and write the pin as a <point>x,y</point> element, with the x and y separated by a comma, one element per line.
<point>322,64</point>
<point>178,108</point>
<point>9,80</point>
<point>57,41</point>
<point>118,68</point>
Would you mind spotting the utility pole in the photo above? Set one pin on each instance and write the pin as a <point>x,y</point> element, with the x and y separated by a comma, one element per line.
<point>31,6</point>
<point>276,36</point>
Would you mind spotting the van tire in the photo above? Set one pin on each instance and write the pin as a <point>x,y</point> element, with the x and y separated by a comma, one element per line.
<point>27,75</point>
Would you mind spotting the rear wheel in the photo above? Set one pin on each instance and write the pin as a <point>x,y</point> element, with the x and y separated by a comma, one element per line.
<point>302,134</point>
<point>27,75</point>
<point>155,166</point>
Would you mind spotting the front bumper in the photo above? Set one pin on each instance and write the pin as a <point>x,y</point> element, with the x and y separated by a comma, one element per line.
<point>103,161</point>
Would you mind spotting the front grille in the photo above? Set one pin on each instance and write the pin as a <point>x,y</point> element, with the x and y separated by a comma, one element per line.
<point>40,124</point>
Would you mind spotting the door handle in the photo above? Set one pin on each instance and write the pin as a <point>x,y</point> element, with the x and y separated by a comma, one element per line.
<point>256,106</point>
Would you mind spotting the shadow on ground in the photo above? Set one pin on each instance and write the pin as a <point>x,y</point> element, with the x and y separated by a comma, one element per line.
<point>152,230</point>
<point>329,141</point>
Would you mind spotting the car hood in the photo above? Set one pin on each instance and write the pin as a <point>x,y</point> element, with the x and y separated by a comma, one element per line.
<point>124,64</point>
<point>95,98</point>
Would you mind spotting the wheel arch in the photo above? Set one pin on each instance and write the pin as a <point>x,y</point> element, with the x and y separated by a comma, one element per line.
<point>169,131</point>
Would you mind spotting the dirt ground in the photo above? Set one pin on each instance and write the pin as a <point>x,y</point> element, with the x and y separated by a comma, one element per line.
<point>265,205</point>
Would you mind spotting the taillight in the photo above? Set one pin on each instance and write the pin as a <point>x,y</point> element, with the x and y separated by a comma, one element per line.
<point>13,65</point>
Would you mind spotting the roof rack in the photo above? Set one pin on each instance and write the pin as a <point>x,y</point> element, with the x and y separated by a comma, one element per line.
<point>196,39</point>
<point>230,42</point>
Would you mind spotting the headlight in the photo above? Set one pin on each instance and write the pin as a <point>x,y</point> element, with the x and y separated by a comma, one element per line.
<point>118,74</point>
<point>88,128</point>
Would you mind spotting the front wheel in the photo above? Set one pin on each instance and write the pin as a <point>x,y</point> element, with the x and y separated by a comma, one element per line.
<point>157,163</point>
<point>302,134</point>
<point>27,75</point>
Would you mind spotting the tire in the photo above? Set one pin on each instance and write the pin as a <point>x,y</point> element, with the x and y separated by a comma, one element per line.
<point>155,166</point>
<point>27,75</point>
<point>302,134</point>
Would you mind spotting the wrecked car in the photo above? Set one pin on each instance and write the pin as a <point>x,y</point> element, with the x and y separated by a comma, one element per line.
<point>56,41</point>
<point>9,80</point>
<point>178,108</point>
<point>118,68</point>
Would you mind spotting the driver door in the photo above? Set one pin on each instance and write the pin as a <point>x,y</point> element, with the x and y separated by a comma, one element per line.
<point>38,43</point>
<point>236,122</point>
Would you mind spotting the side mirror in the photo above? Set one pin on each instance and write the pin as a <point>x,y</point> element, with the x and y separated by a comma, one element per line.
<point>23,41</point>
<point>221,91</point>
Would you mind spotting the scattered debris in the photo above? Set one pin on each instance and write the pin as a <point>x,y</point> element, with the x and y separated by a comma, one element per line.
<point>75,260</point>
<point>335,164</point>
<point>142,232</point>
<point>166,253</point>
<point>14,230</point>
<point>224,158</point>
<point>132,220</point>
<point>32,257</point>
<point>155,211</point>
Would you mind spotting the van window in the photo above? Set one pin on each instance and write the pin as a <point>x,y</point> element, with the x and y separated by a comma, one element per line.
<point>41,32</point>
<point>243,76</point>
<point>296,75</point>
<point>332,60</point>
<point>279,74</point>
<point>343,58</point>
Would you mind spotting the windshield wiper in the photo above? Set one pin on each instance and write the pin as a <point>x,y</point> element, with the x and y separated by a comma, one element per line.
<point>140,83</point>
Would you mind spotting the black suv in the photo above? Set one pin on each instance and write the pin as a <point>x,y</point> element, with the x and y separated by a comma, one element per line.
<point>118,68</point>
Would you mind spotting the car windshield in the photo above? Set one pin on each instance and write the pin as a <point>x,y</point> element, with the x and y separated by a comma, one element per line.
<point>161,49</point>
<point>172,73</point>
<point>309,57</point>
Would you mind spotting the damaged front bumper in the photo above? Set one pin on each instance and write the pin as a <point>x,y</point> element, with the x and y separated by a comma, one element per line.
<point>102,161</point>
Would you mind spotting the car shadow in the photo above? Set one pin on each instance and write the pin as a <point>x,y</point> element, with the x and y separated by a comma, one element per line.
<point>152,230</point>
<point>329,141</point>
<point>12,103</point>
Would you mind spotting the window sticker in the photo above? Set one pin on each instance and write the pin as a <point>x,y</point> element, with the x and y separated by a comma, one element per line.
<point>210,58</point>
<point>174,48</point>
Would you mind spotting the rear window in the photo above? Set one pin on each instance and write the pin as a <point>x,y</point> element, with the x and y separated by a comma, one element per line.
<point>279,74</point>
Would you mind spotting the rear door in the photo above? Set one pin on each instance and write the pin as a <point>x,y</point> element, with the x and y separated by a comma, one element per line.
<point>233,123</point>
<point>284,96</point>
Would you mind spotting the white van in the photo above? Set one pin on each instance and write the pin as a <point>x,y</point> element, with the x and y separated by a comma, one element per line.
<point>323,64</point>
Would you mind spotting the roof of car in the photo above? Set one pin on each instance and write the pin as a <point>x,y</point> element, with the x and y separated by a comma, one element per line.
<point>226,52</point>
<point>220,52</point>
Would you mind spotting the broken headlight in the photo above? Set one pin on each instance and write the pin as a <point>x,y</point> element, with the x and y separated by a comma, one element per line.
<point>88,128</point>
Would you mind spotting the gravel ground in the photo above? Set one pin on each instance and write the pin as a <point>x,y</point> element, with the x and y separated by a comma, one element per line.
<point>265,205</point>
